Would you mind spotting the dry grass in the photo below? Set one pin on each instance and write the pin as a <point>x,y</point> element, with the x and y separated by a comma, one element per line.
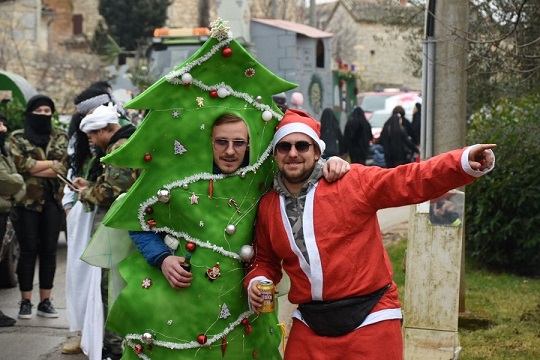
<point>502,320</point>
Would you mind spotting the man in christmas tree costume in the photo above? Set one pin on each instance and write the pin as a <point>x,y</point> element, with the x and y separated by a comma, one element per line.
<point>205,213</point>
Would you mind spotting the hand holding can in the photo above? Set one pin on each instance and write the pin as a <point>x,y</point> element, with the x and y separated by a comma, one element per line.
<point>267,289</point>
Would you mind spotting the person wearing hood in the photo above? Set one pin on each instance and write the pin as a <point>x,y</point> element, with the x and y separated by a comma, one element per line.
<point>331,134</point>
<point>12,189</point>
<point>83,281</point>
<point>357,136</point>
<point>39,153</point>
<point>104,131</point>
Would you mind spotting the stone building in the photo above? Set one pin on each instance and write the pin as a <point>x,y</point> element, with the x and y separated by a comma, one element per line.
<point>47,41</point>
<point>46,44</point>
<point>365,36</point>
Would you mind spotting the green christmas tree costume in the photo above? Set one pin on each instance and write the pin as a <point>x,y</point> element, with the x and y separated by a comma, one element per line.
<point>212,215</point>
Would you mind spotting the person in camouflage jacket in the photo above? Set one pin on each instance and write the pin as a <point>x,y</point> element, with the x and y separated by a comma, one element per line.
<point>104,130</point>
<point>39,153</point>
<point>12,189</point>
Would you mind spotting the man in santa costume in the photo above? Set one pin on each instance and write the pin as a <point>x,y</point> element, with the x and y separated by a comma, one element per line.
<point>328,240</point>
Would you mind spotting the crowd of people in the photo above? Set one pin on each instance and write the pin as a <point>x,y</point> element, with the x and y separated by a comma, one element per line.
<point>398,143</point>
<point>285,218</point>
<point>49,177</point>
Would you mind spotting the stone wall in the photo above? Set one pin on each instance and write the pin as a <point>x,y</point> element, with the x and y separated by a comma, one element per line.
<point>36,50</point>
<point>185,13</point>
<point>68,67</point>
<point>376,53</point>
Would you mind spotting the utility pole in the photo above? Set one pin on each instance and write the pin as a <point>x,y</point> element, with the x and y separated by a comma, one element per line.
<point>435,258</point>
<point>312,14</point>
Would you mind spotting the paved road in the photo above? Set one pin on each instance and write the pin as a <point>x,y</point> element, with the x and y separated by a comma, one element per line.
<point>42,339</point>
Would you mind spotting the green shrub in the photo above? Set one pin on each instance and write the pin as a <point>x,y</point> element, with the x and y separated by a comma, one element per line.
<point>14,113</point>
<point>503,208</point>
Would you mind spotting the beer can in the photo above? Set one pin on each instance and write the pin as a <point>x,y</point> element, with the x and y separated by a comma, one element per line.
<point>268,290</point>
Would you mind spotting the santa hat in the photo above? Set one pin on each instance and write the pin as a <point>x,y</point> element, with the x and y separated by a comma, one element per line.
<point>298,121</point>
<point>100,118</point>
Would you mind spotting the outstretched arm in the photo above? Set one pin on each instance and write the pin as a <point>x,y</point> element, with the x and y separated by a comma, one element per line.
<point>481,157</point>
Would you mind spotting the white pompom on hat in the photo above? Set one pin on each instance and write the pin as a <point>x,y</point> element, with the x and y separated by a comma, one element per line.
<point>99,118</point>
<point>298,121</point>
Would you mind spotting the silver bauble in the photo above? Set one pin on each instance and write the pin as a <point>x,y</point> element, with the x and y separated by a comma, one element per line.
<point>267,115</point>
<point>246,252</point>
<point>148,338</point>
<point>164,195</point>
<point>230,229</point>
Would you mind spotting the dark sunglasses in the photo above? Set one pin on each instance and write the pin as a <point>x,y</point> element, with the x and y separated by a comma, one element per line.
<point>223,144</point>
<point>284,147</point>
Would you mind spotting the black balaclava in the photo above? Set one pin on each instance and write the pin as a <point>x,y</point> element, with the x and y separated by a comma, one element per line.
<point>38,128</point>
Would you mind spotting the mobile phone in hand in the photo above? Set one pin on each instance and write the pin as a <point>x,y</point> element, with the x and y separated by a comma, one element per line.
<point>68,182</point>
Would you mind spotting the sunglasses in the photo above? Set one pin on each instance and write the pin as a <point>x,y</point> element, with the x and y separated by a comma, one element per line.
<point>284,147</point>
<point>223,144</point>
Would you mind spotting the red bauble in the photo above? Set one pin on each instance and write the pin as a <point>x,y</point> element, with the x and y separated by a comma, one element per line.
<point>149,210</point>
<point>249,329</point>
<point>147,157</point>
<point>213,93</point>
<point>191,246</point>
<point>226,52</point>
<point>245,321</point>
<point>138,349</point>
<point>202,339</point>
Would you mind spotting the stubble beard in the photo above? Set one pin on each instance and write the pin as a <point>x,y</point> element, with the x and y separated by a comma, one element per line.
<point>296,177</point>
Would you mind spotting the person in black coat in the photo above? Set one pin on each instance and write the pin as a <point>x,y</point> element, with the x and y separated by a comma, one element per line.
<point>406,124</point>
<point>398,146</point>
<point>358,136</point>
<point>416,121</point>
<point>331,134</point>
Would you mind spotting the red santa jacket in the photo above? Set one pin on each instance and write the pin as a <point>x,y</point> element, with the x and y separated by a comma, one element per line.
<point>341,229</point>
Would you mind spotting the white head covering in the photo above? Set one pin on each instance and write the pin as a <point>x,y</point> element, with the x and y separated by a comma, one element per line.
<point>100,118</point>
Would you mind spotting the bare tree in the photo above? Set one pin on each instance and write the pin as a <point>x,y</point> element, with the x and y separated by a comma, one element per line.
<point>503,47</point>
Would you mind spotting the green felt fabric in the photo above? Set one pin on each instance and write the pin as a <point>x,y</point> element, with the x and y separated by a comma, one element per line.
<point>182,114</point>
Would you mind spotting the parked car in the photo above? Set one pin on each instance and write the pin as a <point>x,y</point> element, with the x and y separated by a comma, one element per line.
<point>377,120</point>
<point>387,99</point>
<point>9,258</point>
